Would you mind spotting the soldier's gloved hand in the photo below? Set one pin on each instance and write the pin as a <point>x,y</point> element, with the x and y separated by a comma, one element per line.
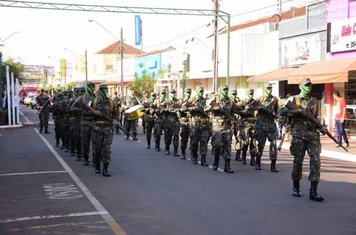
<point>115,123</point>
<point>97,113</point>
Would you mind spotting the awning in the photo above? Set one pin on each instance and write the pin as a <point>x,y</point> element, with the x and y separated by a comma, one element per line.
<point>325,71</point>
<point>275,75</point>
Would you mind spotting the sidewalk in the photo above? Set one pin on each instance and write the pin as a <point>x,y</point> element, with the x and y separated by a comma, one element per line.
<point>329,149</point>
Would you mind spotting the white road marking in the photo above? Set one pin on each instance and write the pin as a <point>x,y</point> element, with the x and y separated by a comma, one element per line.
<point>25,117</point>
<point>33,173</point>
<point>53,216</point>
<point>115,227</point>
<point>62,191</point>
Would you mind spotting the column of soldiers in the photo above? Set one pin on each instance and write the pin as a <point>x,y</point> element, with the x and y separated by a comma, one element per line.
<point>83,119</point>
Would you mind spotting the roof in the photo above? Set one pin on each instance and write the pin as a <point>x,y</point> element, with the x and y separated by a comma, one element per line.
<point>275,75</point>
<point>114,48</point>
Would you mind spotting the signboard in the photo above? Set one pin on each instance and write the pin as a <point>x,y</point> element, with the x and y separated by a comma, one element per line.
<point>300,50</point>
<point>343,35</point>
<point>138,30</point>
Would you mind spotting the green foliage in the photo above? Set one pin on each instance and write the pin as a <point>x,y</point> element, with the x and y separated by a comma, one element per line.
<point>15,66</point>
<point>143,83</point>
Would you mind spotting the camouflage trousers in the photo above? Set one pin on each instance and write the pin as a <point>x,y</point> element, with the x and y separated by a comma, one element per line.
<point>149,124</point>
<point>75,142</point>
<point>221,141</point>
<point>44,117</point>
<point>266,131</point>
<point>184,136</point>
<point>131,126</point>
<point>85,133</point>
<point>102,139</point>
<point>298,148</point>
<point>65,133</point>
<point>57,129</point>
<point>247,138</point>
<point>199,139</point>
<point>158,131</point>
<point>171,131</point>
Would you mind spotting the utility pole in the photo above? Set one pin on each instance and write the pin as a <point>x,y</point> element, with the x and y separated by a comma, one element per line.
<point>86,68</point>
<point>122,62</point>
<point>215,55</point>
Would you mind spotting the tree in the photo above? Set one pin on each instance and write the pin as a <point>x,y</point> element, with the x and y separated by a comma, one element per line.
<point>15,66</point>
<point>143,83</point>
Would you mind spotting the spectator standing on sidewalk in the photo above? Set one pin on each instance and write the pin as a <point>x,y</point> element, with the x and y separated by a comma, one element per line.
<point>340,118</point>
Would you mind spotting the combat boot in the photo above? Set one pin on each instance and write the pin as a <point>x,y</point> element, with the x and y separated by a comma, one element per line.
<point>258,164</point>
<point>41,128</point>
<point>216,161</point>
<point>166,151</point>
<point>135,137</point>
<point>127,137</point>
<point>46,131</point>
<point>57,143</point>
<point>86,161</point>
<point>313,195</point>
<point>105,170</point>
<point>78,157</point>
<point>227,168</point>
<point>243,158</point>
<point>97,168</point>
<point>203,160</point>
<point>175,151</point>
<point>148,144</point>
<point>252,160</point>
<point>273,166</point>
<point>296,189</point>
<point>183,155</point>
<point>194,158</point>
<point>237,157</point>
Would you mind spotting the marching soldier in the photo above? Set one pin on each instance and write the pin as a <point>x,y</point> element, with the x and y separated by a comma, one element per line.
<point>143,98</point>
<point>267,107</point>
<point>102,130</point>
<point>200,128</point>
<point>117,110</point>
<point>131,125</point>
<point>171,126</point>
<point>65,123</point>
<point>74,128</point>
<point>184,122</point>
<point>57,116</point>
<point>247,128</point>
<point>161,104</point>
<point>222,112</point>
<point>149,116</point>
<point>305,138</point>
<point>43,103</point>
<point>87,117</point>
<point>236,100</point>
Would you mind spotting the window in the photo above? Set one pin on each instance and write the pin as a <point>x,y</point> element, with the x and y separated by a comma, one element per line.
<point>109,67</point>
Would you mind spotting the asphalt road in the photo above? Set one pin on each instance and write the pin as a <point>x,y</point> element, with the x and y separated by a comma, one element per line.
<point>44,190</point>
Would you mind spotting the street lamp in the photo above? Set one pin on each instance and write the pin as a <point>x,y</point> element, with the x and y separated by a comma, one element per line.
<point>1,48</point>
<point>121,49</point>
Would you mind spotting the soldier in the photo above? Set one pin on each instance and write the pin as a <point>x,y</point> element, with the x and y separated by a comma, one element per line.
<point>306,138</point>
<point>87,117</point>
<point>57,116</point>
<point>102,130</point>
<point>131,125</point>
<point>117,110</point>
<point>65,124</point>
<point>236,100</point>
<point>149,116</point>
<point>171,126</point>
<point>247,128</point>
<point>160,103</point>
<point>74,128</point>
<point>200,128</point>
<point>143,98</point>
<point>267,107</point>
<point>184,122</point>
<point>43,103</point>
<point>221,108</point>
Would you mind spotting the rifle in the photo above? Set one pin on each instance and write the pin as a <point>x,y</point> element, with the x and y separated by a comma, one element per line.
<point>214,105</point>
<point>263,108</point>
<point>115,123</point>
<point>292,106</point>
<point>40,109</point>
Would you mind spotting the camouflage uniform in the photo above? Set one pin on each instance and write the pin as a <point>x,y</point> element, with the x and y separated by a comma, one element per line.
<point>160,105</point>
<point>184,120</point>
<point>200,129</point>
<point>236,100</point>
<point>266,128</point>
<point>118,111</point>
<point>149,117</point>
<point>102,133</point>
<point>65,123</point>
<point>74,128</point>
<point>222,129</point>
<point>43,101</point>
<point>305,138</point>
<point>247,130</point>
<point>171,125</point>
<point>57,116</point>
<point>131,125</point>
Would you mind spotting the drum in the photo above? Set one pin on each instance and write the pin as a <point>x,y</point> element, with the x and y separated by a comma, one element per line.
<point>134,112</point>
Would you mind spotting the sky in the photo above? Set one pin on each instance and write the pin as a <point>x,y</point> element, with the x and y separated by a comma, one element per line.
<point>40,36</point>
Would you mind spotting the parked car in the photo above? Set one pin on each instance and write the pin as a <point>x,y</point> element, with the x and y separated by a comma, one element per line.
<point>33,103</point>
<point>28,100</point>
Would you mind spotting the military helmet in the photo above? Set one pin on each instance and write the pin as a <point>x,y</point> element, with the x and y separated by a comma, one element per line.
<point>304,81</point>
<point>173,91</point>
<point>199,88</point>
<point>234,92</point>
<point>103,86</point>
<point>91,84</point>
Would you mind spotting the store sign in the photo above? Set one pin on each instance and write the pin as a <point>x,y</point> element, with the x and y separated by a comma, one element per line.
<point>343,35</point>
<point>300,50</point>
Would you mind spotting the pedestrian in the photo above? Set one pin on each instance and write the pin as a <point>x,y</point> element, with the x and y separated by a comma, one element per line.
<point>266,129</point>
<point>103,130</point>
<point>340,118</point>
<point>43,102</point>
<point>305,138</point>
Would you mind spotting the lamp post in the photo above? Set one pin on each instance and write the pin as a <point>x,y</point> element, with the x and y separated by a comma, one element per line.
<point>1,47</point>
